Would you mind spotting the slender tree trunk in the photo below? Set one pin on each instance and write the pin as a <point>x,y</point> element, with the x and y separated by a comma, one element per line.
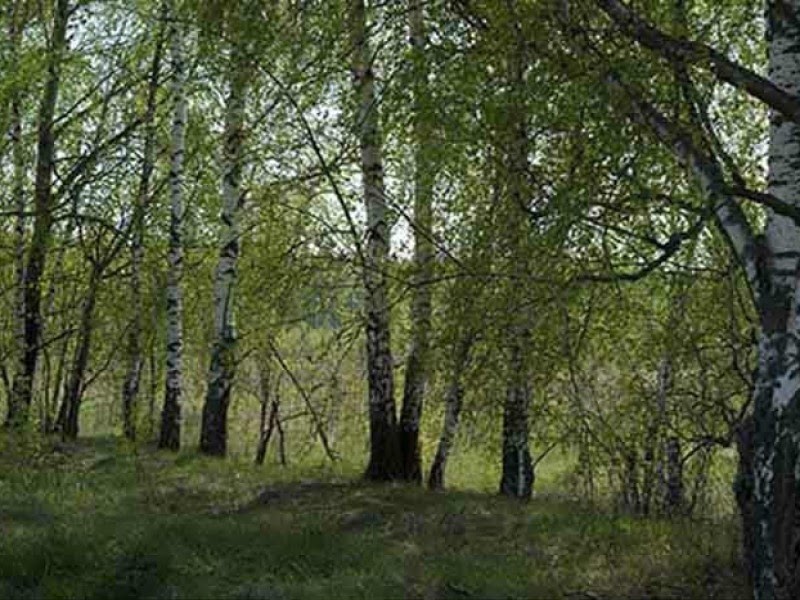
<point>17,186</point>
<point>517,475</point>
<point>170,433</point>
<point>69,415</point>
<point>744,488</point>
<point>266,422</point>
<point>334,408</point>
<point>51,420</point>
<point>56,284</point>
<point>654,449</point>
<point>22,394</point>
<point>275,421</point>
<point>273,424</point>
<point>416,379</point>
<point>152,395</point>
<point>130,388</point>
<point>674,500</point>
<point>214,429</point>
<point>385,461</point>
<point>453,399</point>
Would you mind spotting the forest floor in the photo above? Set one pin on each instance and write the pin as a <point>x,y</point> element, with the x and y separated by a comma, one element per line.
<point>100,519</point>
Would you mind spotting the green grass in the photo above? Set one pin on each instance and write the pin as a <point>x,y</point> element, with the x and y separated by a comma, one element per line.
<point>104,520</point>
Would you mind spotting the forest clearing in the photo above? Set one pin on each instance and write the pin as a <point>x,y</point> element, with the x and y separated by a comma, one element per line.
<point>400,298</point>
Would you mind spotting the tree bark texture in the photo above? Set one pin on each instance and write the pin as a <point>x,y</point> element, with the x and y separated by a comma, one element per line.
<point>416,379</point>
<point>68,421</point>
<point>517,473</point>
<point>385,461</point>
<point>214,428</point>
<point>776,460</point>
<point>453,399</point>
<point>22,393</point>
<point>170,431</point>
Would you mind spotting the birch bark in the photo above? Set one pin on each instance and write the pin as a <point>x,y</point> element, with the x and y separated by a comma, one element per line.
<point>170,431</point>
<point>385,460</point>
<point>453,399</point>
<point>767,486</point>
<point>22,393</point>
<point>416,379</point>
<point>17,184</point>
<point>213,436</point>
<point>517,475</point>
<point>777,394</point>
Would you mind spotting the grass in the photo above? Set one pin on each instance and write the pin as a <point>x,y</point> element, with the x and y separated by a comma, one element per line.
<point>104,520</point>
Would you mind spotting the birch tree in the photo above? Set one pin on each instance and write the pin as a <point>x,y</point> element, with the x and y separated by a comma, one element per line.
<point>15,24</point>
<point>418,359</point>
<point>221,372</point>
<point>170,431</point>
<point>517,472</point>
<point>453,403</point>
<point>769,261</point>
<point>22,393</point>
<point>385,458</point>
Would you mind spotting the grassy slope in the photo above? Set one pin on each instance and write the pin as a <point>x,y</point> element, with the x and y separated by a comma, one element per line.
<point>99,520</point>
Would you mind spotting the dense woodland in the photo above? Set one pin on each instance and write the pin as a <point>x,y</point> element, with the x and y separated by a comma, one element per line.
<point>522,234</point>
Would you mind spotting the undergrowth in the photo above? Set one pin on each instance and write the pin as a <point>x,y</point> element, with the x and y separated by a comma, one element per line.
<point>102,519</point>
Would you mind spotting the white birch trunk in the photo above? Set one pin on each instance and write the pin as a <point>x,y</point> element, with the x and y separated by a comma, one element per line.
<point>777,395</point>
<point>384,461</point>
<point>22,393</point>
<point>170,433</point>
<point>517,476</point>
<point>17,190</point>
<point>416,379</point>
<point>453,399</point>
<point>221,372</point>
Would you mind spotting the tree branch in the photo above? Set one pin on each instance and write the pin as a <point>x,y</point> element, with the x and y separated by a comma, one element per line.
<point>696,53</point>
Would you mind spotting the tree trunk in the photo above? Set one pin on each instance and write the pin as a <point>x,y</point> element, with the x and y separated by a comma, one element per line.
<point>17,187</point>
<point>744,488</point>
<point>51,417</point>
<point>653,452</point>
<point>275,421</point>
<point>335,401</point>
<point>674,500</point>
<point>49,422</point>
<point>777,536</point>
<point>266,423</point>
<point>130,387</point>
<point>770,265</point>
<point>214,429</point>
<point>22,394</point>
<point>777,392</point>
<point>416,379</point>
<point>69,414</point>
<point>517,476</point>
<point>385,462</point>
<point>453,398</point>
<point>170,433</point>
